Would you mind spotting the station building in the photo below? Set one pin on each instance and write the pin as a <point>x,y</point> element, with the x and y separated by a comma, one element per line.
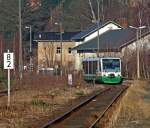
<point>54,49</point>
<point>114,40</point>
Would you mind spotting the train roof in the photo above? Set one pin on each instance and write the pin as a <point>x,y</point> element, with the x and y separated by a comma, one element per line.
<point>98,58</point>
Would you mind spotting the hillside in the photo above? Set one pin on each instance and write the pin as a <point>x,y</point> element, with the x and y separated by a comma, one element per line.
<point>74,14</point>
<point>77,14</point>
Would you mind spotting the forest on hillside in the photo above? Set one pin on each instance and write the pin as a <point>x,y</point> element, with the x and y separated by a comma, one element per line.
<point>74,15</point>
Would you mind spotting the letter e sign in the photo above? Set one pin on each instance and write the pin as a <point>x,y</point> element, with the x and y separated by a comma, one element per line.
<point>8,61</point>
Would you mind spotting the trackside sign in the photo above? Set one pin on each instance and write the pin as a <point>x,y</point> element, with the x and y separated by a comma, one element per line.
<point>8,60</point>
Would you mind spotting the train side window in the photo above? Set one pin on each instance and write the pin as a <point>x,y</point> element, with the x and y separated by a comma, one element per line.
<point>90,67</point>
<point>85,67</point>
<point>94,67</point>
<point>99,66</point>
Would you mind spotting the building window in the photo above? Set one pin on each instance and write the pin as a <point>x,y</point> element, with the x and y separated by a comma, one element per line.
<point>58,51</point>
<point>69,50</point>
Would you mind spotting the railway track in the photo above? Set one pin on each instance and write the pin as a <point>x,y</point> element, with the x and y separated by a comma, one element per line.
<point>95,106</point>
<point>5,92</point>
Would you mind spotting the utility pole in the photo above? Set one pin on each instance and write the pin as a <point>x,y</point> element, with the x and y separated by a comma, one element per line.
<point>93,14</point>
<point>61,47</point>
<point>61,36</point>
<point>20,44</point>
<point>30,50</point>
<point>103,10</point>
<point>98,20</point>
<point>138,54</point>
<point>61,72</point>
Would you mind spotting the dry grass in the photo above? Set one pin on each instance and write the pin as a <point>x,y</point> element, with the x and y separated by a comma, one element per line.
<point>31,103</point>
<point>134,97</point>
<point>134,108</point>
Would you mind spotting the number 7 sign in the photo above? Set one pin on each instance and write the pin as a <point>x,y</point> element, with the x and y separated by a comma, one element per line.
<point>8,60</point>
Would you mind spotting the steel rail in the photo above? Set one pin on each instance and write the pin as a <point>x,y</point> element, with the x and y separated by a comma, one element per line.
<point>107,108</point>
<point>65,115</point>
<point>5,92</point>
<point>128,78</point>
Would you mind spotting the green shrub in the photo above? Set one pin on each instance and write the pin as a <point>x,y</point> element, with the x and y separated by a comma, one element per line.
<point>80,93</point>
<point>38,102</point>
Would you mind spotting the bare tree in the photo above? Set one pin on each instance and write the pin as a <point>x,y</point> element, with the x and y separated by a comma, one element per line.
<point>48,53</point>
<point>93,13</point>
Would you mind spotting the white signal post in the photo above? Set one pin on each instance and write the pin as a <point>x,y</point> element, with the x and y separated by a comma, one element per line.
<point>8,64</point>
<point>70,79</point>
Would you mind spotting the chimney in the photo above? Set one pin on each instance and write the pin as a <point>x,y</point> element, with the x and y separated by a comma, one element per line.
<point>123,22</point>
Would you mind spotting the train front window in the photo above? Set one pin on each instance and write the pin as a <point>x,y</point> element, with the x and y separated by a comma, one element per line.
<point>111,65</point>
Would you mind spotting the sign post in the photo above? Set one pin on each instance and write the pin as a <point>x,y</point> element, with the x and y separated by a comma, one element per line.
<point>70,79</point>
<point>70,83</point>
<point>8,64</point>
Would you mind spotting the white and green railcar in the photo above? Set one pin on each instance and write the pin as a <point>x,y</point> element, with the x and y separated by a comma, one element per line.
<point>103,70</point>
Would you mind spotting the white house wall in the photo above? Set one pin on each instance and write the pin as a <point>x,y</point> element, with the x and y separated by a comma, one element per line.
<point>132,47</point>
<point>102,30</point>
<point>77,57</point>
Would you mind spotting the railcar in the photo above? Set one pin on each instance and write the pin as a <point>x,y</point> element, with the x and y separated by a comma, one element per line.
<point>103,70</point>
